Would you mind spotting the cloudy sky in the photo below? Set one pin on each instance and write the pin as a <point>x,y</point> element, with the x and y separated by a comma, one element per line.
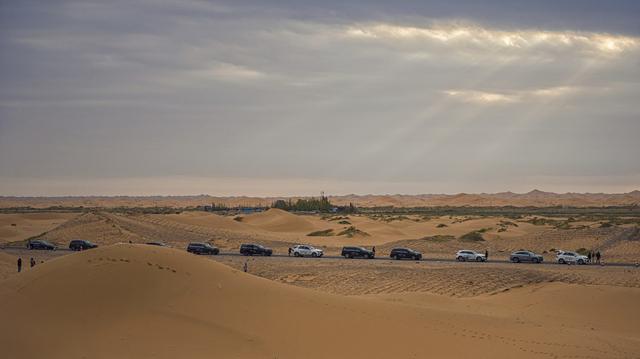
<point>294,97</point>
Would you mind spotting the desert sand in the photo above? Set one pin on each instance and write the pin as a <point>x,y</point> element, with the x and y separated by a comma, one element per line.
<point>135,301</point>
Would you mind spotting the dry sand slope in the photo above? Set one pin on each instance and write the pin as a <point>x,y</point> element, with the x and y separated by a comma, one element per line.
<point>132,301</point>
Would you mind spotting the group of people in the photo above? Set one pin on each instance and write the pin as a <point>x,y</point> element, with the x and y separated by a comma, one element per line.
<point>32,262</point>
<point>594,256</point>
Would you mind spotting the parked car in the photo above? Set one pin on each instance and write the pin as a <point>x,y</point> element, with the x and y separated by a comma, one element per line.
<point>81,245</point>
<point>525,256</point>
<point>571,258</point>
<point>405,253</point>
<point>353,252</point>
<point>159,244</point>
<point>255,250</point>
<point>303,250</point>
<point>468,255</point>
<point>41,244</point>
<point>202,248</point>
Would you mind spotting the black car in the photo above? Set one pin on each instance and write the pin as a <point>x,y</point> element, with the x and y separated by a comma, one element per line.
<point>202,248</point>
<point>41,244</point>
<point>353,252</point>
<point>81,244</point>
<point>402,253</point>
<point>525,256</point>
<point>255,250</point>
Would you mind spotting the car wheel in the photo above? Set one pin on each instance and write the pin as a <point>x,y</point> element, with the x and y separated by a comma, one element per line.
<point>296,254</point>
<point>314,254</point>
<point>516,260</point>
<point>418,258</point>
<point>478,259</point>
<point>535,260</point>
<point>580,261</point>
<point>561,261</point>
<point>459,259</point>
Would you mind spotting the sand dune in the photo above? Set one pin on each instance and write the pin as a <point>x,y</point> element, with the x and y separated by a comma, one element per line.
<point>277,220</point>
<point>533,198</point>
<point>20,226</point>
<point>131,301</point>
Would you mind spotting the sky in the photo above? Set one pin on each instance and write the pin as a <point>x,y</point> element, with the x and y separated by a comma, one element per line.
<point>271,98</point>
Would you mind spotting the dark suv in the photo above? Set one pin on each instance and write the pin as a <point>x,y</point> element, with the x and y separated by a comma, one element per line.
<point>353,252</point>
<point>255,250</point>
<point>402,253</point>
<point>41,244</point>
<point>81,244</point>
<point>202,248</point>
<point>525,256</point>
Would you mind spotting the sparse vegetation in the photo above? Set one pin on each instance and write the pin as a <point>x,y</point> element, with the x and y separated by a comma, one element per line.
<point>441,225</point>
<point>344,222</point>
<point>352,231</point>
<point>238,218</point>
<point>322,233</point>
<point>439,238</point>
<point>474,236</point>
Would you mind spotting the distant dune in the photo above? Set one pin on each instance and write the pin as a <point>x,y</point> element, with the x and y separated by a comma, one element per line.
<point>135,301</point>
<point>533,198</point>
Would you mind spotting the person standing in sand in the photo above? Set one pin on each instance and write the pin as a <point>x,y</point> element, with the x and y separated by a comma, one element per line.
<point>19,264</point>
<point>289,252</point>
<point>373,250</point>
<point>246,266</point>
<point>32,262</point>
<point>589,256</point>
<point>598,257</point>
<point>486,254</point>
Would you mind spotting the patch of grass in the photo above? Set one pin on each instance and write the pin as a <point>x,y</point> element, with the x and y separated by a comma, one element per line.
<point>322,233</point>
<point>439,238</point>
<point>472,237</point>
<point>484,230</point>
<point>352,231</point>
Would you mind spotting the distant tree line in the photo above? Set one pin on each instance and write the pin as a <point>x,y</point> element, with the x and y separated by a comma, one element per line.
<point>313,204</point>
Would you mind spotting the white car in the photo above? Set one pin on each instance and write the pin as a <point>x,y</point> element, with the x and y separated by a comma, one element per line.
<point>467,255</point>
<point>303,250</point>
<point>571,258</point>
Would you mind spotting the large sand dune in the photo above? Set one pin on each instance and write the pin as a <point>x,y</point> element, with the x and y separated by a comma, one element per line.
<point>130,301</point>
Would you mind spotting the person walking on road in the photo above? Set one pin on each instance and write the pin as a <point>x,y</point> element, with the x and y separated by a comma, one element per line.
<point>589,256</point>
<point>373,250</point>
<point>289,252</point>
<point>598,257</point>
<point>32,262</point>
<point>246,266</point>
<point>19,264</point>
<point>486,254</point>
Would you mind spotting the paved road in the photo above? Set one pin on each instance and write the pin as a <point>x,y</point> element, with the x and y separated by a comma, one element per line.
<point>63,251</point>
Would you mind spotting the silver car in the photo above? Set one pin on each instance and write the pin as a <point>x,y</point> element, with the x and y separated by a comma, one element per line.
<point>571,258</point>
<point>468,255</point>
<point>303,250</point>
